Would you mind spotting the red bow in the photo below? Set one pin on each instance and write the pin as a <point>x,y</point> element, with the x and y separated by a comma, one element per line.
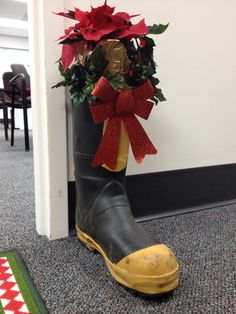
<point>122,106</point>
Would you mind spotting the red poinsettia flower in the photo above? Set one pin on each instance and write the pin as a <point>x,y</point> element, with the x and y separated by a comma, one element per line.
<point>96,24</point>
<point>70,52</point>
<point>136,30</point>
<point>70,33</point>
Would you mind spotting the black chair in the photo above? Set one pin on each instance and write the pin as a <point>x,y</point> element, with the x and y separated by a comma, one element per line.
<point>3,106</point>
<point>21,99</point>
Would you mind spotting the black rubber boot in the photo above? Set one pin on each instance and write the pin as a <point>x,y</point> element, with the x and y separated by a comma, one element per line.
<point>104,220</point>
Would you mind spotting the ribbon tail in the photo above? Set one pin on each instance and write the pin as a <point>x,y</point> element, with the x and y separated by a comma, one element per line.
<point>139,140</point>
<point>108,148</point>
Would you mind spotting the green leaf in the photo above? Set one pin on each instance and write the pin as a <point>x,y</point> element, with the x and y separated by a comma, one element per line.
<point>155,81</point>
<point>147,71</point>
<point>91,99</point>
<point>90,79</point>
<point>118,81</point>
<point>67,74</point>
<point>97,61</point>
<point>69,41</point>
<point>147,50</point>
<point>62,83</point>
<point>70,15</point>
<point>77,99</point>
<point>87,90</point>
<point>150,43</point>
<point>155,100</point>
<point>159,95</point>
<point>157,29</point>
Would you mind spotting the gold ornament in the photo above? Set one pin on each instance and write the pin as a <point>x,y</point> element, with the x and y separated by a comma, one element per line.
<point>116,54</point>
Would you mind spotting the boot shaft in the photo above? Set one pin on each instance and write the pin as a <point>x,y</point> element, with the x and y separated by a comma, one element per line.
<point>90,181</point>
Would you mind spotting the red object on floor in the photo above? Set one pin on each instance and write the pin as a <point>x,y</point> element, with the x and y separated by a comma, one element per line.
<point>10,295</point>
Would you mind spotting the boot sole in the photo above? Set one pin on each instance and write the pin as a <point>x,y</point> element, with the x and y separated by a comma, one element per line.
<point>144,285</point>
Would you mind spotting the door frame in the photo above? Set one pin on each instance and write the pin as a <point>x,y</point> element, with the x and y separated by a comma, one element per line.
<point>49,120</point>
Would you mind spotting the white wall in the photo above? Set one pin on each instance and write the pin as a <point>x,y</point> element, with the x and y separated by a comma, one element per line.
<point>14,42</point>
<point>197,69</point>
<point>13,50</point>
<point>49,121</point>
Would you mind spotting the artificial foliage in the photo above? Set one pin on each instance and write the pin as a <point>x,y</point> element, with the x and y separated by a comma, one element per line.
<point>92,27</point>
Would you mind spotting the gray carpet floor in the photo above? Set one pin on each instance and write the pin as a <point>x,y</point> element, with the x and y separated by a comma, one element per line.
<point>72,279</point>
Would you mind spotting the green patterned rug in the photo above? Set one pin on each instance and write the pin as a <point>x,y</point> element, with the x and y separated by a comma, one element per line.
<point>18,294</point>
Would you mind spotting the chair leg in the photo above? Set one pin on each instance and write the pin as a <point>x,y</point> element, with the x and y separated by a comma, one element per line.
<point>7,124</point>
<point>5,119</point>
<point>12,125</point>
<point>26,129</point>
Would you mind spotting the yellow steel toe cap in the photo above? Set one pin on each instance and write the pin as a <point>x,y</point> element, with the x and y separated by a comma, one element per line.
<point>157,260</point>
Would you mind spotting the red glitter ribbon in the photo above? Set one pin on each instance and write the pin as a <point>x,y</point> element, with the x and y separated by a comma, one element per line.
<point>122,106</point>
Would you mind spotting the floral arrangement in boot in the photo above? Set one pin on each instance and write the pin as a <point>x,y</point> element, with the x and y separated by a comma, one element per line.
<point>116,93</point>
<point>107,62</point>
